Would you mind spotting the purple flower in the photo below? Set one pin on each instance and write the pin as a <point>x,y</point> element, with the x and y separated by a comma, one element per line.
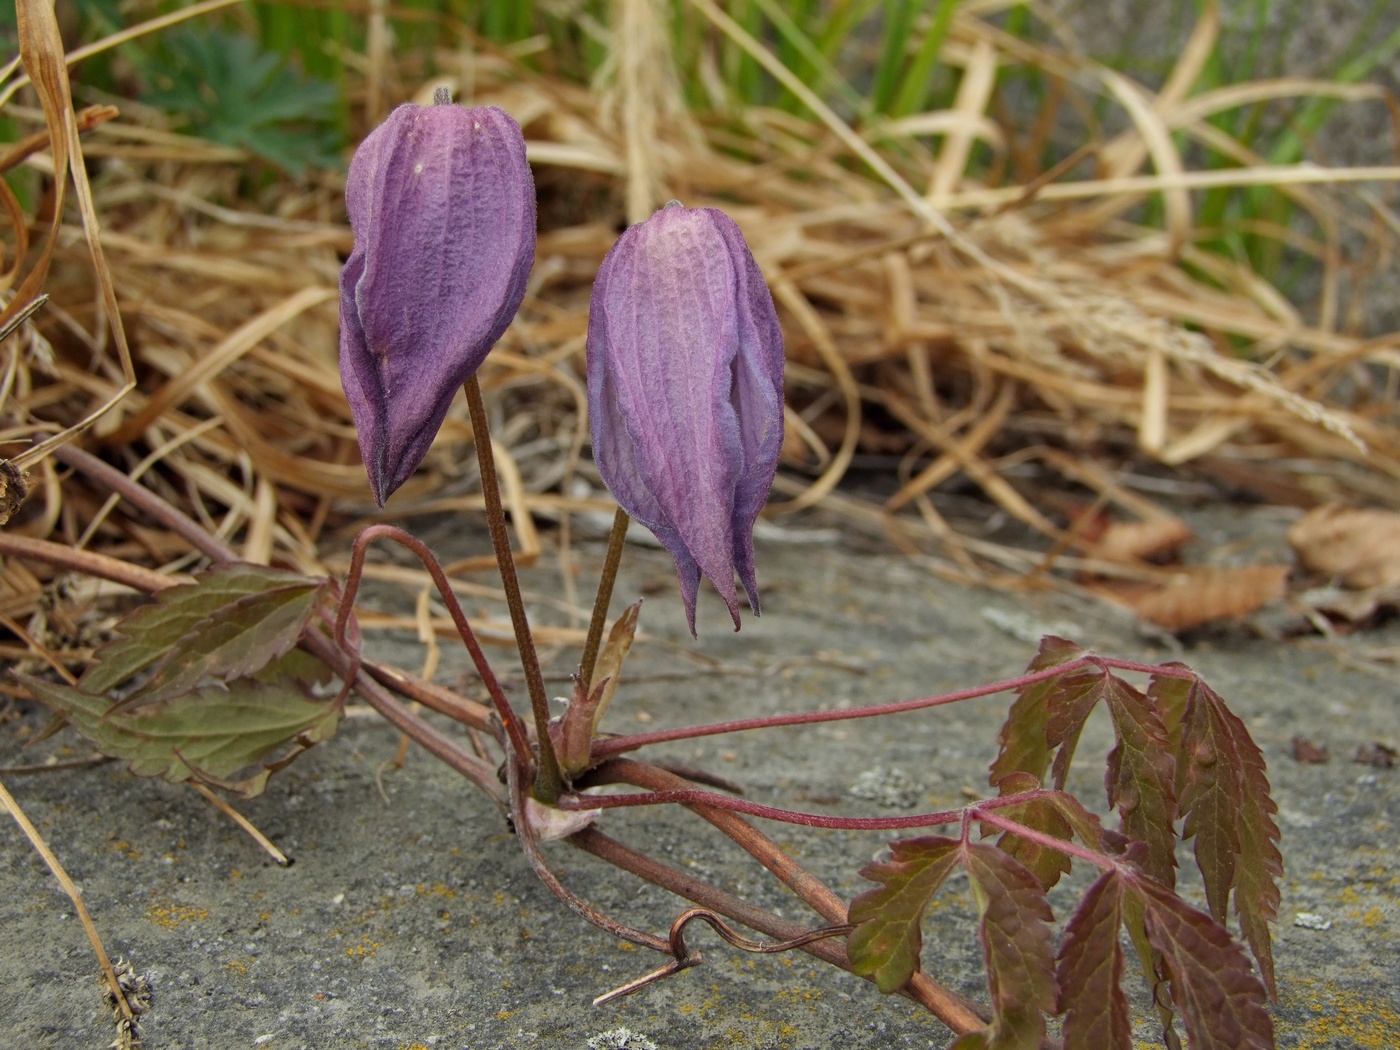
<point>685,392</point>
<point>442,205</point>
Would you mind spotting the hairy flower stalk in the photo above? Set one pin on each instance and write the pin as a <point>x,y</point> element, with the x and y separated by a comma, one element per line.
<point>685,392</point>
<point>442,205</point>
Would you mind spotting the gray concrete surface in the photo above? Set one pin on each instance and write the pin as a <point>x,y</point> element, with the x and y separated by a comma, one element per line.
<point>410,920</point>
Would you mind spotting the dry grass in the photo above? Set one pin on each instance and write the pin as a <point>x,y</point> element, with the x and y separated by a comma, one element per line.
<point>1020,335</point>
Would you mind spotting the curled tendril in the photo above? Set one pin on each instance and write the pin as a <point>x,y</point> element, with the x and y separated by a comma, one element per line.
<point>683,958</point>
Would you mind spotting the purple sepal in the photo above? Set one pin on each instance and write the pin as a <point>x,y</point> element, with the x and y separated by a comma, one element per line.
<point>442,205</point>
<point>685,392</point>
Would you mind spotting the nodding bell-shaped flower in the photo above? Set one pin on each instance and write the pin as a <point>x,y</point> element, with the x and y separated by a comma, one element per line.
<point>685,392</point>
<point>442,205</point>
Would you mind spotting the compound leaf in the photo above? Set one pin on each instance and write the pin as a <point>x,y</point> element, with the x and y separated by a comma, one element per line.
<point>210,732</point>
<point>1015,934</point>
<point>1052,812</point>
<point>1224,795</point>
<point>147,635</point>
<point>1214,989</point>
<point>233,92</point>
<point>1024,737</point>
<point>887,939</point>
<point>1141,778</point>
<point>238,638</point>
<point>1090,972</point>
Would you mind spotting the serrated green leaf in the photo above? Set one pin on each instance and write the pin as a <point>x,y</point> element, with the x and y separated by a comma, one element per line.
<point>1224,792</point>
<point>211,732</point>
<point>1052,812</point>
<point>1141,778</point>
<point>1210,785</point>
<point>1015,934</point>
<point>1023,739</point>
<point>1090,972</point>
<point>238,638</point>
<point>887,938</point>
<point>1214,989</point>
<point>147,634</point>
<point>1171,695</point>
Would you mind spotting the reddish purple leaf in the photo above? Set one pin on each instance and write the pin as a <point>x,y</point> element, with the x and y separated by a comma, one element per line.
<point>236,640</point>
<point>1214,989</point>
<point>1090,972</point>
<point>1024,737</point>
<point>886,941</point>
<point>1224,789</point>
<point>156,631</point>
<point>1141,778</point>
<point>1051,812</point>
<point>1015,935</point>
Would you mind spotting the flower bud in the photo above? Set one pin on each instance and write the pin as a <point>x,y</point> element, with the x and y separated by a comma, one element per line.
<point>442,205</point>
<point>685,392</point>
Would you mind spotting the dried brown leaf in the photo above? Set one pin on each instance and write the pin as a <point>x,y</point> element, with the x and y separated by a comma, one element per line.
<point>1379,755</point>
<point>1202,595</point>
<point>1304,750</point>
<point>1130,541</point>
<point>1358,548</point>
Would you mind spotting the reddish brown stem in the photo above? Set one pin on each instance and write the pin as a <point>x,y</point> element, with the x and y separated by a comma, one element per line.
<point>548,781</point>
<point>480,773</point>
<point>443,701</point>
<point>515,728</point>
<point>520,817</point>
<point>619,744</point>
<point>950,1008</point>
<point>603,846</point>
<point>689,796</point>
<point>947,1006</point>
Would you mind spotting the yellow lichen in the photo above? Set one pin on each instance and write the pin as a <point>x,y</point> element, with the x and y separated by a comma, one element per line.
<point>1346,1018</point>
<point>174,915</point>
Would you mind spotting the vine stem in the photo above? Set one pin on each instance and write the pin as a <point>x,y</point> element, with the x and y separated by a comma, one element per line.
<point>619,744</point>
<point>698,797</point>
<point>980,815</point>
<point>603,599</point>
<point>548,781</point>
<point>520,817</point>
<point>949,1007</point>
<point>515,729</point>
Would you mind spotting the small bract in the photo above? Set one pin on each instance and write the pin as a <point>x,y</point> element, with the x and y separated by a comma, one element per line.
<point>685,392</point>
<point>442,205</point>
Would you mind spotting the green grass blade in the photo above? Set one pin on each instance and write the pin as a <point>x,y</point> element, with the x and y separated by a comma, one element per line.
<point>807,60</point>
<point>915,93</point>
<point>899,19</point>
